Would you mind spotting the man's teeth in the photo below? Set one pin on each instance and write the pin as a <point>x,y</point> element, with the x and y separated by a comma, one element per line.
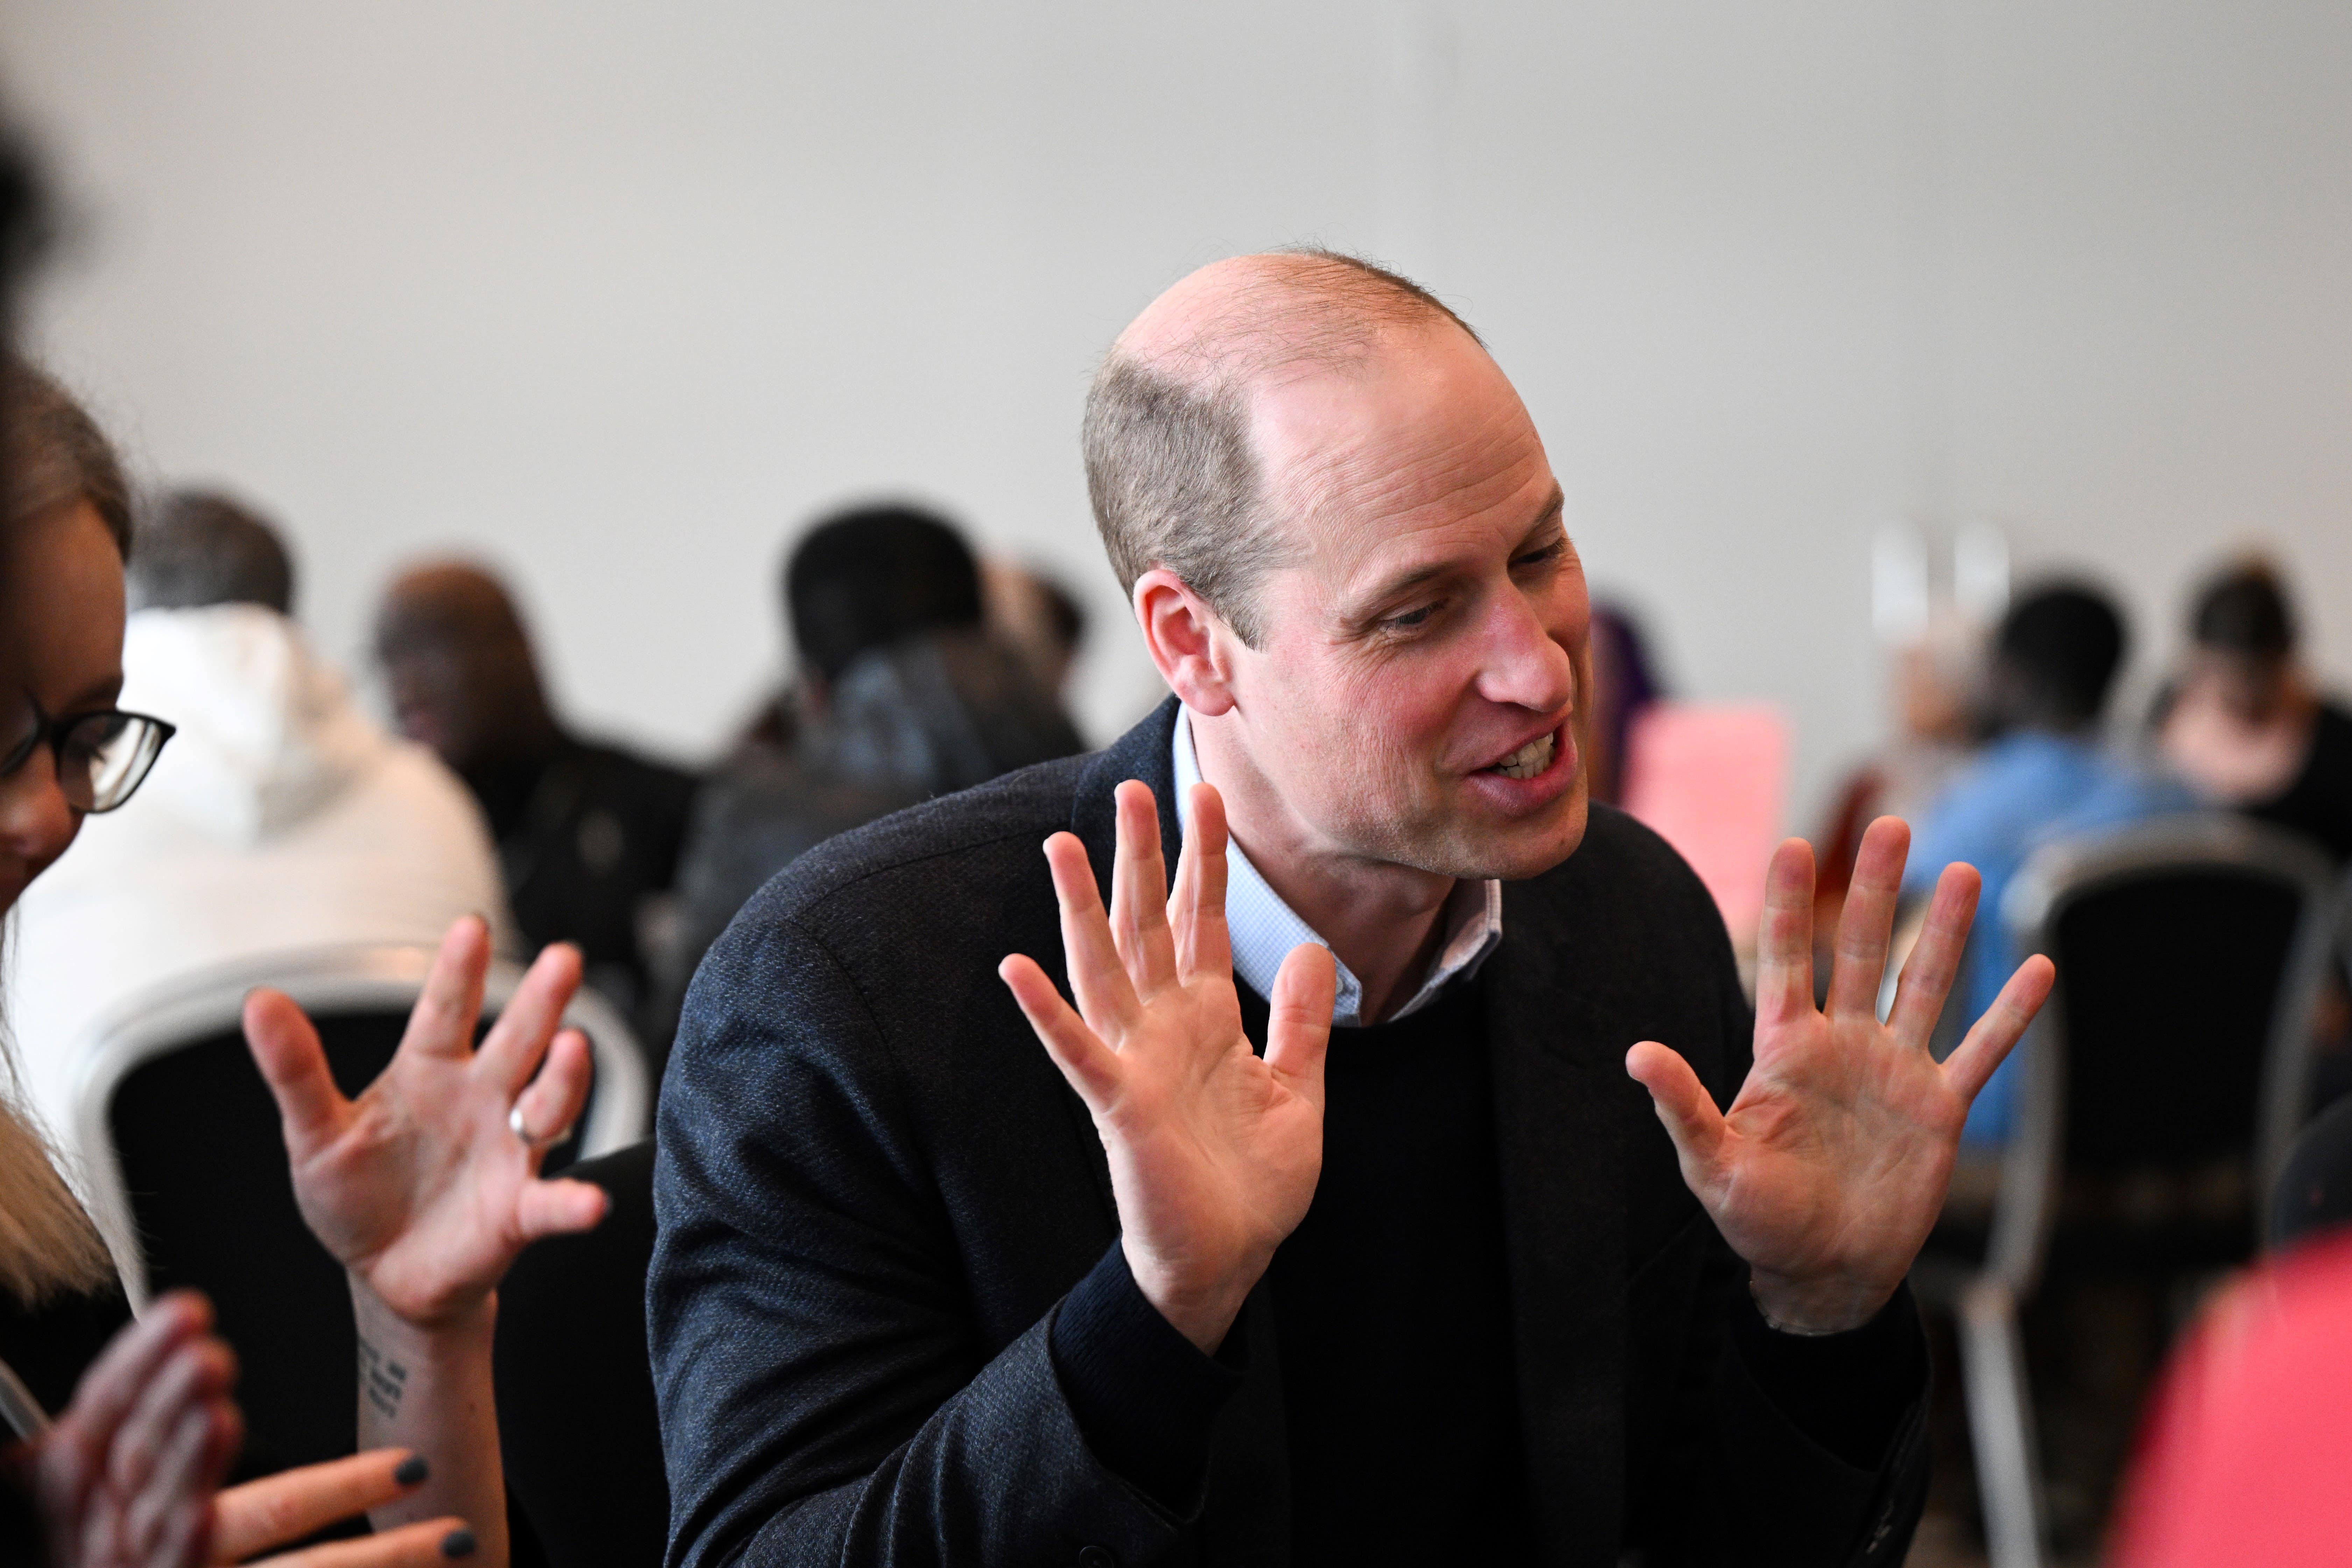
<point>1529,759</point>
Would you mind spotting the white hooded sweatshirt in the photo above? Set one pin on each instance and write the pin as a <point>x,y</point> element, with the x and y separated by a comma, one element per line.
<point>279,817</point>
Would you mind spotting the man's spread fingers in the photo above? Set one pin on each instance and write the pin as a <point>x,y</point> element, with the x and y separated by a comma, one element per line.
<point>1139,896</point>
<point>1204,943</point>
<point>442,1022</point>
<point>1935,961</point>
<point>1867,922</point>
<point>2003,1025</point>
<point>1784,940</point>
<point>1298,1024</point>
<point>285,1047</point>
<point>1098,980</point>
<point>1683,1104</point>
<point>1091,1067</point>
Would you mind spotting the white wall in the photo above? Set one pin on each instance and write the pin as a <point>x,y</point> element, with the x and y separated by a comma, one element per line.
<point>621,295</point>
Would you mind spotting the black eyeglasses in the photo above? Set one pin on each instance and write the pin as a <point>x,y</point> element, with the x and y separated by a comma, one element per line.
<point>102,758</point>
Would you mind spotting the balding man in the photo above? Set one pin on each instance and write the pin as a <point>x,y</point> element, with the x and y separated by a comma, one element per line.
<point>587,832</point>
<point>1205,1294</point>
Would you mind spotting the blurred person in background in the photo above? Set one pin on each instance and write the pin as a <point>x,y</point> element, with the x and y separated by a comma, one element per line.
<point>904,693</point>
<point>2246,726</point>
<point>1940,697</point>
<point>2045,776</point>
<point>1624,682</point>
<point>425,1187</point>
<point>280,817</point>
<point>1039,618</point>
<point>587,833</point>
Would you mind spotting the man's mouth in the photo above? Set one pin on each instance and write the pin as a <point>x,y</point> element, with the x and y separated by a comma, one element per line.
<point>1529,760</point>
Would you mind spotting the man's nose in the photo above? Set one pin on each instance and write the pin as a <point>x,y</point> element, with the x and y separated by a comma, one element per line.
<point>1525,665</point>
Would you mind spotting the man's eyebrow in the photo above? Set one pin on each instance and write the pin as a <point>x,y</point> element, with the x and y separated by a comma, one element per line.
<point>1369,604</point>
<point>1554,510</point>
<point>1405,584</point>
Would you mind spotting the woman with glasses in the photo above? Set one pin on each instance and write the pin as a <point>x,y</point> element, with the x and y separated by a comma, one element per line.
<point>425,1187</point>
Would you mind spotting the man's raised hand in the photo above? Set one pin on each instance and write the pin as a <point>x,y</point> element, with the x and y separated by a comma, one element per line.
<point>1831,1164</point>
<point>1213,1151</point>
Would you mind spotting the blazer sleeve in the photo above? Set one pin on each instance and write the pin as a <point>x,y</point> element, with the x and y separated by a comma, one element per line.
<point>823,1394</point>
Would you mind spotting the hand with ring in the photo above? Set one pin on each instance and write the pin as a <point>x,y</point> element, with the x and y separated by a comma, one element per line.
<point>426,1187</point>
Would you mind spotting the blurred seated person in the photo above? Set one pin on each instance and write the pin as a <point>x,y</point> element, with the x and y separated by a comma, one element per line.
<point>1624,682</point>
<point>862,577</point>
<point>1938,690</point>
<point>2245,726</point>
<point>587,832</point>
<point>425,1188</point>
<point>1039,618</point>
<point>281,816</point>
<point>2044,776</point>
<point>903,695</point>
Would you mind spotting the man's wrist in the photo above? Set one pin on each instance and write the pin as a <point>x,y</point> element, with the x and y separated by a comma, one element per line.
<point>1815,1309</point>
<point>1202,1311</point>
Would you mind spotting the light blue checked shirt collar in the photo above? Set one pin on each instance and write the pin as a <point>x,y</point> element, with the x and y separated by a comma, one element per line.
<point>1264,929</point>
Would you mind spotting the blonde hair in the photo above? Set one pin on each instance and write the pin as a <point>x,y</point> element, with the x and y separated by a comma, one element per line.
<point>55,455</point>
<point>49,1246</point>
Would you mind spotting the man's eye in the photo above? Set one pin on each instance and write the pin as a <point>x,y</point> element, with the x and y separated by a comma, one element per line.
<point>1411,618</point>
<point>1548,554</point>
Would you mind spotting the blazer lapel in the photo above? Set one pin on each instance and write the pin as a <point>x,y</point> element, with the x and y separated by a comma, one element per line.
<point>1557,1134</point>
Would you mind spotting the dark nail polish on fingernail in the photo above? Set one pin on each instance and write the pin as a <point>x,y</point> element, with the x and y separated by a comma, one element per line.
<point>458,1543</point>
<point>412,1471</point>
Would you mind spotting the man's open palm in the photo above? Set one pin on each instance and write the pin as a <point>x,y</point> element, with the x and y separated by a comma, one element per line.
<point>420,1187</point>
<point>1833,1163</point>
<point>1214,1151</point>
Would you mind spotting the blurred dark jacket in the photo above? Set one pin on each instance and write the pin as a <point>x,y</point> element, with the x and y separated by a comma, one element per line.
<point>928,716</point>
<point>586,836</point>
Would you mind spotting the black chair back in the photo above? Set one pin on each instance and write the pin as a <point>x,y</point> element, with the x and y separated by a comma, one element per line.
<point>2172,985</point>
<point>203,1167</point>
<point>2169,1070</point>
<point>577,1421</point>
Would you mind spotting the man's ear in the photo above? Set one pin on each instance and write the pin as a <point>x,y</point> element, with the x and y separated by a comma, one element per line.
<point>1189,643</point>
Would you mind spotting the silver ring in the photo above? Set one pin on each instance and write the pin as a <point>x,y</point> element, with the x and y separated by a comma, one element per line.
<point>514,1125</point>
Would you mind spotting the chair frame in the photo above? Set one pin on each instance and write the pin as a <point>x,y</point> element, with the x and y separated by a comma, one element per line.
<point>1992,1349</point>
<point>163,1017</point>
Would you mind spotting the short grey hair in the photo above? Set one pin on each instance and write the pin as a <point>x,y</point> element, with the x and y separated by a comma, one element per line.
<point>1170,471</point>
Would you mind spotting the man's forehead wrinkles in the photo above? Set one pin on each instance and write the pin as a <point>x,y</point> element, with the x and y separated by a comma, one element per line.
<point>1440,476</point>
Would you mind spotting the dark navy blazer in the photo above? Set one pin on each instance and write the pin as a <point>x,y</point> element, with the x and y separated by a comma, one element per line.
<point>874,1191</point>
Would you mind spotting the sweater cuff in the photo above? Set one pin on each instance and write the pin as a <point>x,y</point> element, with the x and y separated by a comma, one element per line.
<point>1850,1391</point>
<point>1145,1397</point>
